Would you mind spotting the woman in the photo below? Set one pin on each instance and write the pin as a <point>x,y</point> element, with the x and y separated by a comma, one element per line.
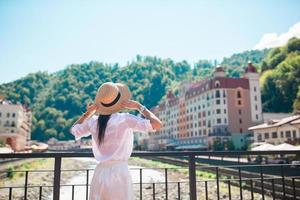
<point>112,139</point>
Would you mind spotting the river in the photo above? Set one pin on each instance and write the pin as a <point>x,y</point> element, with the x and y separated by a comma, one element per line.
<point>149,176</point>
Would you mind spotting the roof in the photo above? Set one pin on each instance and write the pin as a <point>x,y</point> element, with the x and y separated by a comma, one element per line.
<point>271,147</point>
<point>276,123</point>
<point>250,68</point>
<point>296,121</point>
<point>219,69</point>
<point>192,146</point>
<point>263,147</point>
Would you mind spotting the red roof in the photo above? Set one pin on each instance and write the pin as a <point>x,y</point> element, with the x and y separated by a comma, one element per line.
<point>250,68</point>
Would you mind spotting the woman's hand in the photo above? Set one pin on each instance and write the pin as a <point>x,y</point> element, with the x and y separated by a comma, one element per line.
<point>131,104</point>
<point>91,107</point>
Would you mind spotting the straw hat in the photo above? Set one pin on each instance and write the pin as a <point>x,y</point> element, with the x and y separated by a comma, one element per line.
<point>109,97</point>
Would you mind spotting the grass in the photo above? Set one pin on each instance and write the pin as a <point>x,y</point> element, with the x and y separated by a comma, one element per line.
<point>157,164</point>
<point>12,176</point>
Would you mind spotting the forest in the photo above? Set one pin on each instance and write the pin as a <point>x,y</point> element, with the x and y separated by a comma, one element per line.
<point>57,99</point>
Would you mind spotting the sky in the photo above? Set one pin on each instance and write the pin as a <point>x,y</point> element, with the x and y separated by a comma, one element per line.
<point>49,35</point>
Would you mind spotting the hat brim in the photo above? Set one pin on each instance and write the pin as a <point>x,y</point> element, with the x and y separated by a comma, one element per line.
<point>125,94</point>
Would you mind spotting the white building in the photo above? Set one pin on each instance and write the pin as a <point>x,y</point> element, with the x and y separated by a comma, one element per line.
<point>15,125</point>
<point>278,131</point>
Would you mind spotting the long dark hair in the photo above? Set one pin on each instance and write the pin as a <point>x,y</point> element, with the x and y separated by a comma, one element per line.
<point>102,123</point>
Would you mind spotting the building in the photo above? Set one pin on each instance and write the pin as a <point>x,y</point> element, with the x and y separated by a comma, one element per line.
<point>277,131</point>
<point>211,110</point>
<point>56,145</point>
<point>15,125</point>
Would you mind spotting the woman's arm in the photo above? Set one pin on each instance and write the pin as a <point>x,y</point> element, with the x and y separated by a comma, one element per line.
<point>155,122</point>
<point>82,128</point>
<point>90,111</point>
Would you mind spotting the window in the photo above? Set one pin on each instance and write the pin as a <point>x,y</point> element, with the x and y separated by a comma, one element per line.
<point>7,114</point>
<point>266,135</point>
<point>238,95</point>
<point>217,94</point>
<point>240,111</point>
<point>274,134</point>
<point>225,111</point>
<point>255,98</point>
<point>14,114</point>
<point>294,134</point>
<point>218,111</point>
<point>13,124</point>
<point>240,120</point>
<point>219,120</point>
<point>281,134</point>
<point>254,89</point>
<point>225,121</point>
<point>256,116</point>
<point>255,107</point>
<point>218,101</point>
<point>288,134</point>
<point>0,114</point>
<point>239,102</point>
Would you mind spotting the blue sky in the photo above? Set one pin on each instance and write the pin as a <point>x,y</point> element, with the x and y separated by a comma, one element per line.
<point>49,35</point>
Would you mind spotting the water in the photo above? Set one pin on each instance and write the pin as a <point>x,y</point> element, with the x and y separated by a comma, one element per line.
<point>149,176</point>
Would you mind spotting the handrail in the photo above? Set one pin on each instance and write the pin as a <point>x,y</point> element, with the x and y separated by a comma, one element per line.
<point>147,153</point>
<point>191,165</point>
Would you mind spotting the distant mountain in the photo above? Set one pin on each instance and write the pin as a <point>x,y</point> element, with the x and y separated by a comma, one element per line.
<point>58,99</point>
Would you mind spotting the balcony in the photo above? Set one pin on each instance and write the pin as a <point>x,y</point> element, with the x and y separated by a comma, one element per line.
<point>233,175</point>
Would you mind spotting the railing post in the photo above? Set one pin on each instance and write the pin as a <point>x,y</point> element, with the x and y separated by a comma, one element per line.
<point>192,177</point>
<point>56,181</point>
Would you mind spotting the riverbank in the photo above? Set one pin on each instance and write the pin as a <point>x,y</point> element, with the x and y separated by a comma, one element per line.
<point>177,174</point>
<point>38,178</point>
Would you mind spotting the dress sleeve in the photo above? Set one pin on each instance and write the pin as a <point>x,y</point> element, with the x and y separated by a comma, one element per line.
<point>81,130</point>
<point>138,124</point>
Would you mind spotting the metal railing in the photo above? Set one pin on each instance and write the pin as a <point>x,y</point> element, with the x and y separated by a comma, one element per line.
<point>272,180</point>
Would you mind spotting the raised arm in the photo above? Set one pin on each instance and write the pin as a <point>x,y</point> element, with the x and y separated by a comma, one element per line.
<point>134,105</point>
<point>81,128</point>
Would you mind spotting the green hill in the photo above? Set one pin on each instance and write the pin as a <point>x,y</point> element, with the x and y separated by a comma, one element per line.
<point>280,78</point>
<point>58,99</point>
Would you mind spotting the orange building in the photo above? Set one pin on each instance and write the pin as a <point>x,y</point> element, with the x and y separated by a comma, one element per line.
<point>209,110</point>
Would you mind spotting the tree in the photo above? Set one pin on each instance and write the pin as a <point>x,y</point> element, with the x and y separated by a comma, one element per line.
<point>218,145</point>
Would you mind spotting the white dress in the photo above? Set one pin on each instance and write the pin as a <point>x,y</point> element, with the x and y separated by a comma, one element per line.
<point>112,179</point>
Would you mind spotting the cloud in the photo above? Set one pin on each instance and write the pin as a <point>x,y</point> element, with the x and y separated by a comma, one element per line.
<point>270,40</point>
